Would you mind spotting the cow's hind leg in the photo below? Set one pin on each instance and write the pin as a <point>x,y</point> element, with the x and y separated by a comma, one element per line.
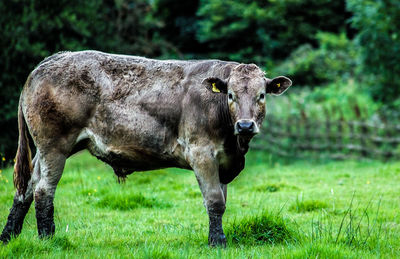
<point>44,187</point>
<point>17,214</point>
<point>20,208</point>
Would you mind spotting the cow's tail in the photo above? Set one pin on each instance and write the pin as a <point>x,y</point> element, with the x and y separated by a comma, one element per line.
<point>23,160</point>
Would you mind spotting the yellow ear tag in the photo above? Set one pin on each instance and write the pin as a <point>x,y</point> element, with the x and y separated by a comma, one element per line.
<point>278,84</point>
<point>215,89</point>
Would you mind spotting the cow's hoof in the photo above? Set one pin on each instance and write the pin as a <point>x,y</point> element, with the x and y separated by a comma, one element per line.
<point>46,235</point>
<point>217,240</point>
<point>46,230</point>
<point>5,238</point>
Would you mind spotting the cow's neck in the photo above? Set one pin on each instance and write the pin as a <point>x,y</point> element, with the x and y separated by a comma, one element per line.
<point>224,116</point>
<point>241,144</point>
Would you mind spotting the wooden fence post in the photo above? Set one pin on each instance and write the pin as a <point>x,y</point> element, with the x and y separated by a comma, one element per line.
<point>340,135</point>
<point>351,137</point>
<point>328,130</point>
<point>386,137</point>
<point>363,130</point>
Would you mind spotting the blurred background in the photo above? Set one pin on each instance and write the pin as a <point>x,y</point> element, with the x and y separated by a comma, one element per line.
<point>342,55</point>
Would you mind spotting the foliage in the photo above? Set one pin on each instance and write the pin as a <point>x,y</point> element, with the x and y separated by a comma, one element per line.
<point>338,99</point>
<point>179,27</point>
<point>334,60</point>
<point>379,41</point>
<point>369,227</point>
<point>257,31</point>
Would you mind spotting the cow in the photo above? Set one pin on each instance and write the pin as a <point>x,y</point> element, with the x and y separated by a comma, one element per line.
<point>136,114</point>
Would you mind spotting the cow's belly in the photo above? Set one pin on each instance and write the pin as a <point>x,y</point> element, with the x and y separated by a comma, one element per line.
<point>133,159</point>
<point>133,143</point>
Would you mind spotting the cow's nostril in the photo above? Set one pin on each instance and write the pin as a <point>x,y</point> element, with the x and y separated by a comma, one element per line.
<point>251,128</point>
<point>245,127</point>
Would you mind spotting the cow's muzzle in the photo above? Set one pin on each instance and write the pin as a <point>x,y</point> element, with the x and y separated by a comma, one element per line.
<point>246,127</point>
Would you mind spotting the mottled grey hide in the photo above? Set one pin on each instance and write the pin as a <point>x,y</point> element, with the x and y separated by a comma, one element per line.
<point>136,114</point>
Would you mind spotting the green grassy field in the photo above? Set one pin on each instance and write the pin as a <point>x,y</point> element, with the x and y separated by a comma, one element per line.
<point>275,209</point>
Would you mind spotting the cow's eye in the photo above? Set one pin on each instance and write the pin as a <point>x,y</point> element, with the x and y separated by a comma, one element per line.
<point>262,96</point>
<point>230,97</point>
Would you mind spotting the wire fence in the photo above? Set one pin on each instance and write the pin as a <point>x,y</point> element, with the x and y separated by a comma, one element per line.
<point>307,137</point>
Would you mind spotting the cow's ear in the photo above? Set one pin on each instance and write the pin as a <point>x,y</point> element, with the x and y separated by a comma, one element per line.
<point>216,85</point>
<point>278,85</point>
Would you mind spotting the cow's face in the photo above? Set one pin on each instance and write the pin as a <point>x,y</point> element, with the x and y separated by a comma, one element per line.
<point>246,91</point>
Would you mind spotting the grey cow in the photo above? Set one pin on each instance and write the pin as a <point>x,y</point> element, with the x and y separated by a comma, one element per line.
<point>136,114</point>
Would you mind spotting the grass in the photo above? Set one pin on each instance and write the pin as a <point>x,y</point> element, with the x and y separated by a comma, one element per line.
<point>275,209</point>
<point>267,228</point>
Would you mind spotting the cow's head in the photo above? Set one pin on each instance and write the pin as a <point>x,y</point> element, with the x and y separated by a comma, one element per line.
<point>246,89</point>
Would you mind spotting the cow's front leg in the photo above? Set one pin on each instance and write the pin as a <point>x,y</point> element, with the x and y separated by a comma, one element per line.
<point>224,188</point>
<point>206,169</point>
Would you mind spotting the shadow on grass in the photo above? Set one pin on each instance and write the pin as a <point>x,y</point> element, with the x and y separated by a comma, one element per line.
<point>274,187</point>
<point>302,206</point>
<point>130,201</point>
